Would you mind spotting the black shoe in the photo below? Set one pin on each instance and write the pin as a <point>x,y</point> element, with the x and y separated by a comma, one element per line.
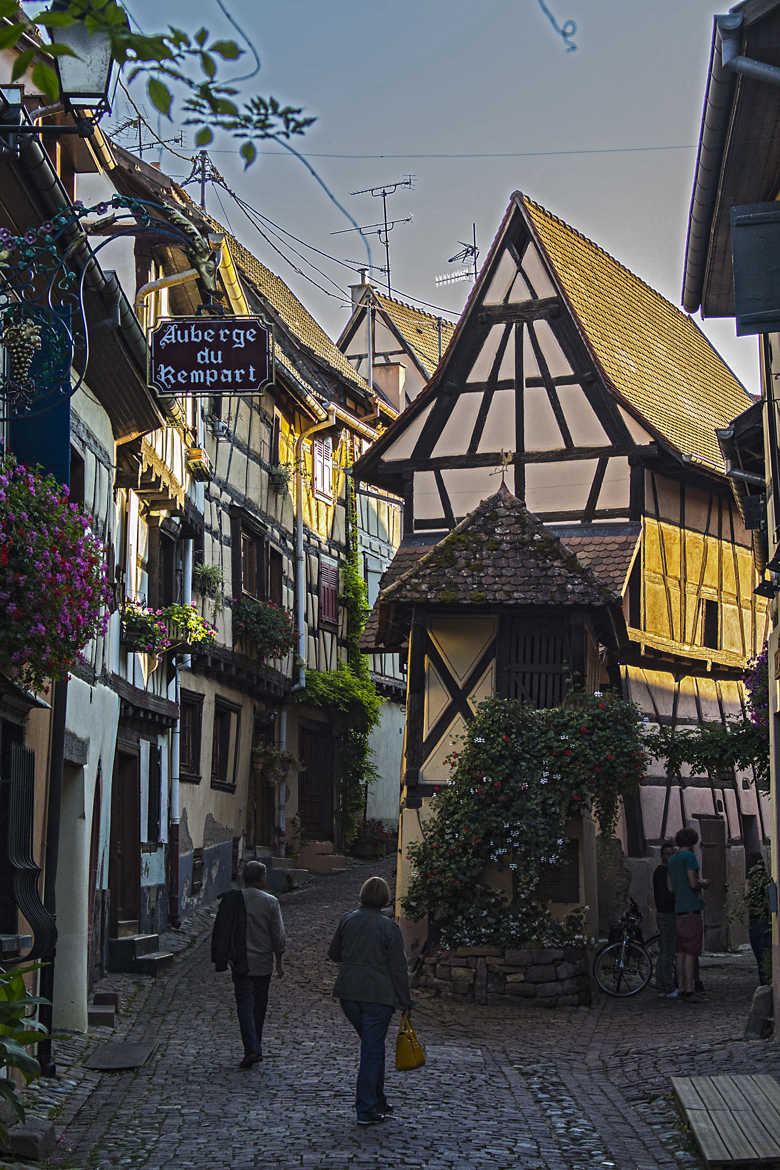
<point>386,1108</point>
<point>374,1119</point>
<point>250,1059</point>
<point>699,987</point>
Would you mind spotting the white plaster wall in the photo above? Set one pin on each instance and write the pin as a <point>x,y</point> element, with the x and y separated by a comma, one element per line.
<point>93,714</point>
<point>387,742</point>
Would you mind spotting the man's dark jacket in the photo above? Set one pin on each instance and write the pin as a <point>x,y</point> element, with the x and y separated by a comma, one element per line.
<point>228,938</point>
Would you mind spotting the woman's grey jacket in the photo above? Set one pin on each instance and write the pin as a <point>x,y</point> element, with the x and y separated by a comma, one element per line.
<point>373,963</point>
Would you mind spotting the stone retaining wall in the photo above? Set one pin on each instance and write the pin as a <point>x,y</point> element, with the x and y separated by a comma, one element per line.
<point>551,978</point>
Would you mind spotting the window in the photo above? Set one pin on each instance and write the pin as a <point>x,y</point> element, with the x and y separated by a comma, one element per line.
<point>197,871</point>
<point>154,808</point>
<point>224,744</point>
<point>190,723</point>
<point>372,575</point>
<point>709,625</point>
<point>76,477</point>
<point>535,664</point>
<point>329,591</point>
<point>162,566</point>
<point>251,563</point>
<point>276,430</point>
<point>322,463</point>
<point>275,576</point>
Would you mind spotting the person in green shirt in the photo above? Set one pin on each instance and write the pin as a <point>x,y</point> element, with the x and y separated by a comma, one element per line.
<point>686,885</point>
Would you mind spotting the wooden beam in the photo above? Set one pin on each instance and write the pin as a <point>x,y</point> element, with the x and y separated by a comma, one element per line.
<point>541,307</point>
<point>493,458</point>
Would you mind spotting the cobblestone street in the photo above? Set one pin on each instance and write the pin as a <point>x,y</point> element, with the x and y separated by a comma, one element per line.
<point>504,1086</point>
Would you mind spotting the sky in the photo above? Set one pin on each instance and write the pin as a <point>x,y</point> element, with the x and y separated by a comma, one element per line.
<point>603,135</point>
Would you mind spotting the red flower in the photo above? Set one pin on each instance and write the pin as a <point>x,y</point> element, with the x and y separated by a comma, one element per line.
<point>583,729</point>
<point>505,738</point>
<point>567,752</point>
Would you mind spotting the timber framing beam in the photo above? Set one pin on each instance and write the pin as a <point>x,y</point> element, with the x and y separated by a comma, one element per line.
<point>515,314</point>
<point>494,458</point>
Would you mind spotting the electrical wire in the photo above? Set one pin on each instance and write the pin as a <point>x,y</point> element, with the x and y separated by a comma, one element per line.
<point>222,208</point>
<point>294,251</point>
<point>190,158</point>
<point>244,37</point>
<point>474,155</point>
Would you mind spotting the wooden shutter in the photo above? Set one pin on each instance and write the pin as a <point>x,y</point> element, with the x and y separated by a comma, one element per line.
<point>536,662</point>
<point>322,462</point>
<point>329,591</point>
<point>155,794</point>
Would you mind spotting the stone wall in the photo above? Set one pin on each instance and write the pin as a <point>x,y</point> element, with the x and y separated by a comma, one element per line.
<point>551,978</point>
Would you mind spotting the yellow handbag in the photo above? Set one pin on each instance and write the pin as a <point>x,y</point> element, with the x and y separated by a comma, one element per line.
<point>409,1052</point>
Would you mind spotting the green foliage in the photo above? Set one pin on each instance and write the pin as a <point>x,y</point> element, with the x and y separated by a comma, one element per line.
<point>522,774</point>
<point>17,1032</point>
<point>265,626</point>
<point>207,579</point>
<point>170,59</point>
<point>349,689</point>
<point>187,627</point>
<point>739,744</point>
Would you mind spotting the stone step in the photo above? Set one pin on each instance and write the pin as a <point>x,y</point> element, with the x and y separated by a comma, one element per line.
<point>324,863</point>
<point>125,953</point>
<point>281,862</point>
<point>153,962</point>
<point>107,997</point>
<point>100,1015</point>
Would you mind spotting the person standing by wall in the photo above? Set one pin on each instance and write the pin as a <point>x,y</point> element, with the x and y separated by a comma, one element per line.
<point>372,982</point>
<point>686,885</point>
<point>666,920</point>
<point>248,934</point>
<point>759,920</point>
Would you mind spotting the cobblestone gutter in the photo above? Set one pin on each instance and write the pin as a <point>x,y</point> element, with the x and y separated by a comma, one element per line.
<point>554,978</point>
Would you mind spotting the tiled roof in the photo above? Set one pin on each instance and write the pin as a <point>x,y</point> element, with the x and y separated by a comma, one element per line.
<point>654,355</point>
<point>292,313</point>
<point>420,330</point>
<point>406,557</point>
<point>608,555</point>
<point>499,555</point>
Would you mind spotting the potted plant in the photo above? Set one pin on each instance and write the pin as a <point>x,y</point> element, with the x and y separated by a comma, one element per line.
<point>373,839</point>
<point>264,626</point>
<point>144,630</point>
<point>53,579</point>
<point>207,579</point>
<point>186,627</point>
<point>279,476</point>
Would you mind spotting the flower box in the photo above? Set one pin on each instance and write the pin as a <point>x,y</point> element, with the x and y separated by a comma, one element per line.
<point>199,464</point>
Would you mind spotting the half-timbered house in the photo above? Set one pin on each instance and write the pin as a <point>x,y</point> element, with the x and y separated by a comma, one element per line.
<point>598,400</point>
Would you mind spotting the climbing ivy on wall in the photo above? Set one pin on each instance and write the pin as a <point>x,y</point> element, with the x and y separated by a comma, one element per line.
<point>521,774</point>
<point>349,690</point>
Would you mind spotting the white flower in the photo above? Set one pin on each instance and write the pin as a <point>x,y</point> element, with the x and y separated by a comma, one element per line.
<point>543,780</point>
<point>479,739</point>
<point>598,694</point>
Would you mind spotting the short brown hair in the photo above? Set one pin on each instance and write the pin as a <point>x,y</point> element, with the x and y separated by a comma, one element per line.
<point>254,873</point>
<point>375,893</point>
<point>685,838</point>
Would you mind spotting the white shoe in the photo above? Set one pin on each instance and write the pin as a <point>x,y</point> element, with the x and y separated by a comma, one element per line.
<point>672,994</point>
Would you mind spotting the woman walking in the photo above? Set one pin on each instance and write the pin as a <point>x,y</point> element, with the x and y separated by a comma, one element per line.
<point>373,980</point>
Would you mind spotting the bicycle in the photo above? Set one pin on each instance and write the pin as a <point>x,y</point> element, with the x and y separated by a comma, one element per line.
<point>624,966</point>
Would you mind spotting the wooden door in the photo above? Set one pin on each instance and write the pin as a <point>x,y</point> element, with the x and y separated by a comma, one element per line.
<point>315,782</point>
<point>712,830</point>
<point>125,853</point>
<point>536,660</point>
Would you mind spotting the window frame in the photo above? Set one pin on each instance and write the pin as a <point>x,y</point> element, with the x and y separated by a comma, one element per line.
<point>328,588</point>
<point>322,469</point>
<point>190,771</point>
<point>223,707</point>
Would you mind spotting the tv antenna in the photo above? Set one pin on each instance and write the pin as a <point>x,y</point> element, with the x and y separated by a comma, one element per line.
<point>467,252</point>
<point>203,172</point>
<point>141,146</point>
<point>383,230</point>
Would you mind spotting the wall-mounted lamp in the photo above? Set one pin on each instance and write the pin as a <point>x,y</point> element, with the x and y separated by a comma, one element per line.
<point>766,588</point>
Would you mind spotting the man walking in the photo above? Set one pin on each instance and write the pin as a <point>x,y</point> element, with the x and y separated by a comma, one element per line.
<point>666,919</point>
<point>248,934</point>
<point>686,884</point>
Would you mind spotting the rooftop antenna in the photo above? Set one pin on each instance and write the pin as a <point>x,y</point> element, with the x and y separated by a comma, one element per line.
<point>382,192</point>
<point>203,172</point>
<point>383,231</point>
<point>467,252</point>
<point>141,146</point>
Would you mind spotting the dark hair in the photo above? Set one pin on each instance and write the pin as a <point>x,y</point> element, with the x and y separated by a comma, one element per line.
<point>686,837</point>
<point>667,845</point>
<point>375,893</point>
<point>755,859</point>
<point>254,873</point>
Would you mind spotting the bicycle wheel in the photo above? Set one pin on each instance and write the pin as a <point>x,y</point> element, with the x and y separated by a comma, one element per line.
<point>653,948</point>
<point>622,968</point>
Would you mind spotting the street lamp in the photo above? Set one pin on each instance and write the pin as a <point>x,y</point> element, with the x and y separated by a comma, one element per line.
<point>84,79</point>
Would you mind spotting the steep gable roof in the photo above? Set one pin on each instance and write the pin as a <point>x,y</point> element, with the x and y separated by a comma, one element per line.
<point>424,333</point>
<point>654,355</point>
<point>499,555</point>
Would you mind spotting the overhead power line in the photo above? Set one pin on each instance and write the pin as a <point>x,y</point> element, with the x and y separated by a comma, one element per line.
<point>484,154</point>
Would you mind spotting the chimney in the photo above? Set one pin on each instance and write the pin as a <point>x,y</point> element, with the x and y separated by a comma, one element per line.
<point>390,378</point>
<point>358,291</point>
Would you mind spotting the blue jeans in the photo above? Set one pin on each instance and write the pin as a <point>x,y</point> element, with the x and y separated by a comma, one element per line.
<point>370,1021</point>
<point>251,1002</point>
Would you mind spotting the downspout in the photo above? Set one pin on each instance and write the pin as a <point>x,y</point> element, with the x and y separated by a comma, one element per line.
<point>174,811</point>
<point>300,563</point>
<point>153,286</point>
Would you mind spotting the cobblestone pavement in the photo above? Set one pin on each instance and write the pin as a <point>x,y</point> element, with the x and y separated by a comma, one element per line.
<point>505,1086</point>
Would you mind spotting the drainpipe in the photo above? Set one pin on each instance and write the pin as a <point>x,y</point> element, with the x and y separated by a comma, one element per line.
<point>153,286</point>
<point>281,788</point>
<point>730,29</point>
<point>300,563</point>
<point>174,811</point>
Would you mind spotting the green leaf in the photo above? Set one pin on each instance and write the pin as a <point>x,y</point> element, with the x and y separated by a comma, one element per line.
<point>9,36</point>
<point>52,19</point>
<point>8,8</point>
<point>208,65</point>
<point>204,137</point>
<point>58,50</point>
<point>227,49</point>
<point>8,1092</point>
<point>201,36</point>
<point>46,80</point>
<point>160,96</point>
<point>22,64</point>
<point>248,153</point>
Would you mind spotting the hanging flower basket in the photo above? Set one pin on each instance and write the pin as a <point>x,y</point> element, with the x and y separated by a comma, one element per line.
<point>53,581</point>
<point>144,631</point>
<point>279,477</point>
<point>266,628</point>
<point>186,627</point>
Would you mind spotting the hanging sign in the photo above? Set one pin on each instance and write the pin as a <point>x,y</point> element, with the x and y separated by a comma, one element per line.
<point>210,355</point>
